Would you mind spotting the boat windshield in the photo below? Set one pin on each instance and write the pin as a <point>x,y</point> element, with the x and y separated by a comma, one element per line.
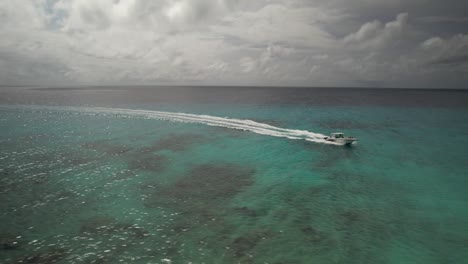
<point>338,135</point>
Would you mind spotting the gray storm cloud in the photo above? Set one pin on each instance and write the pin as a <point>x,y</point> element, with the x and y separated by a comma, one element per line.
<point>306,43</point>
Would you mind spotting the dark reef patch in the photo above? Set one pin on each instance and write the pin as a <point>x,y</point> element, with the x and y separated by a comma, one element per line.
<point>123,175</point>
<point>199,199</point>
<point>9,241</point>
<point>314,235</point>
<point>242,245</point>
<point>350,217</point>
<point>317,191</point>
<point>107,226</point>
<point>74,159</point>
<point>106,147</point>
<point>6,172</point>
<point>94,224</point>
<point>40,178</point>
<point>148,162</point>
<point>207,182</point>
<point>53,255</point>
<point>204,185</point>
<point>246,211</point>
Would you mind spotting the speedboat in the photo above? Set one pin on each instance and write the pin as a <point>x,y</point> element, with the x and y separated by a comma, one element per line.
<point>340,138</point>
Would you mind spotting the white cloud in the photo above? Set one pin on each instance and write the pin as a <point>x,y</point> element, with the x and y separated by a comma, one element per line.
<point>456,43</point>
<point>314,68</point>
<point>376,34</point>
<point>22,14</point>
<point>156,16</point>
<point>320,57</point>
<point>452,51</point>
<point>248,64</point>
<point>294,42</point>
<point>276,23</point>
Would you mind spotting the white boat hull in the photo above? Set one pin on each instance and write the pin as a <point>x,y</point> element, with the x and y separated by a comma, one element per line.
<point>343,141</point>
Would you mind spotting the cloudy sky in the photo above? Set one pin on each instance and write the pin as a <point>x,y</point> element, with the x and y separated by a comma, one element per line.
<point>377,43</point>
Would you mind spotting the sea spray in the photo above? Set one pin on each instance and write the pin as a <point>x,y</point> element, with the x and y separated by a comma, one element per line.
<point>232,123</point>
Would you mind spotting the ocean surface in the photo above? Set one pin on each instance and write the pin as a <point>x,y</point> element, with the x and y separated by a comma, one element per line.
<point>233,175</point>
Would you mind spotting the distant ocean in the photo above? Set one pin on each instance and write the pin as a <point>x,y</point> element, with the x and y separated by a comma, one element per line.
<point>233,175</point>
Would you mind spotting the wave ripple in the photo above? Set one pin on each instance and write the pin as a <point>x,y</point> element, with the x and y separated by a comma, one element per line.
<point>232,123</point>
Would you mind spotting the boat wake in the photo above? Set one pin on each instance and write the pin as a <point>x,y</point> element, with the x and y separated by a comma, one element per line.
<point>239,124</point>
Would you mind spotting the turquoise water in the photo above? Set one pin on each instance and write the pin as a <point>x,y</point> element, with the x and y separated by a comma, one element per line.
<point>80,187</point>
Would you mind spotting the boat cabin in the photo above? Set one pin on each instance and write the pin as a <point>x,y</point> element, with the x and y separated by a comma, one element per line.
<point>337,135</point>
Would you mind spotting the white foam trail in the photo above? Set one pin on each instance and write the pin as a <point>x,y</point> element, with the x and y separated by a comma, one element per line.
<point>240,124</point>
